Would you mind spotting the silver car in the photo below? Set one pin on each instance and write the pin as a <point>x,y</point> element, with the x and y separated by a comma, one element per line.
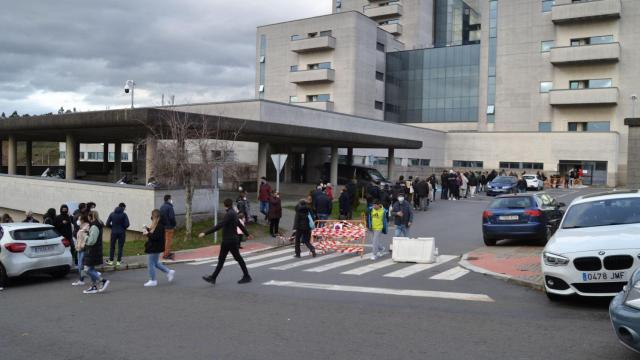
<point>32,248</point>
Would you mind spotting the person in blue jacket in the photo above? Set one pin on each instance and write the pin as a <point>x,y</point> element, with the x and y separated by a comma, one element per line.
<point>118,222</point>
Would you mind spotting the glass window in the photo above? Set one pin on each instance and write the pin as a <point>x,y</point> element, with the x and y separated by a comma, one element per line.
<point>425,162</point>
<point>325,33</point>
<point>379,76</point>
<point>318,98</point>
<point>378,105</point>
<point>545,46</point>
<point>297,37</point>
<point>576,126</point>
<point>547,5</point>
<point>599,83</point>
<point>601,39</point>
<point>293,99</point>
<point>125,156</point>
<point>467,164</point>
<point>599,126</point>
<point>546,86</point>
<point>397,161</point>
<point>111,156</point>
<point>82,155</point>
<point>35,234</point>
<point>63,154</point>
<point>324,65</point>
<point>603,213</point>
<point>544,127</point>
<point>293,68</point>
<point>92,156</point>
<point>380,46</point>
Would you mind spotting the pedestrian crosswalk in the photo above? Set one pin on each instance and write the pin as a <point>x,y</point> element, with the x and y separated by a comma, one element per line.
<point>348,264</point>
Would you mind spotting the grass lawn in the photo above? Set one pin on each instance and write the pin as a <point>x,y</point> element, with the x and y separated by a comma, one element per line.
<point>335,211</point>
<point>135,244</point>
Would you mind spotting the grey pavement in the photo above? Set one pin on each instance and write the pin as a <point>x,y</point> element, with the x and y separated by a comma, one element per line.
<point>190,319</point>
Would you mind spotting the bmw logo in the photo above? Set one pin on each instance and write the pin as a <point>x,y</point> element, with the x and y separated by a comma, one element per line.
<point>601,253</point>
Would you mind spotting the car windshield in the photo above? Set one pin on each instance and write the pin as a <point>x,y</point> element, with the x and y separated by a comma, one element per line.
<point>603,213</point>
<point>520,202</point>
<point>375,175</point>
<point>34,234</point>
<point>504,179</point>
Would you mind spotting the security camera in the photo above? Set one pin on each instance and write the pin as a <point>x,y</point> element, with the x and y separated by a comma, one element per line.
<point>634,97</point>
<point>126,89</point>
<point>128,85</point>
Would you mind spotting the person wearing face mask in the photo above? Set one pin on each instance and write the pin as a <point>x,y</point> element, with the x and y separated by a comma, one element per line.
<point>168,220</point>
<point>64,225</point>
<point>403,216</point>
<point>275,213</point>
<point>30,218</point>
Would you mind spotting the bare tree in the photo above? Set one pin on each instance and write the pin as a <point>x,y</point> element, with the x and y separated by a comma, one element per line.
<point>189,147</point>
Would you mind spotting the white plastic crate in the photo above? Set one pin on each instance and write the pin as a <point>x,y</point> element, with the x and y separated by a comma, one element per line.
<point>420,250</point>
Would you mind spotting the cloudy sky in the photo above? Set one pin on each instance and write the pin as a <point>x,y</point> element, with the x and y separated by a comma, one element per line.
<point>78,53</point>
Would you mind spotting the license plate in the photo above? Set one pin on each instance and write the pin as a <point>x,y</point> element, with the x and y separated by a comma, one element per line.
<point>43,249</point>
<point>604,276</point>
<point>508,217</point>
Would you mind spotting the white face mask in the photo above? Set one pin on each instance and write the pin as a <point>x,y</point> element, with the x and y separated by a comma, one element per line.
<point>170,201</point>
<point>401,199</point>
<point>78,222</point>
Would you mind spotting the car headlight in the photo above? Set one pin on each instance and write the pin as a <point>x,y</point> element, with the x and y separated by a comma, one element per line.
<point>554,260</point>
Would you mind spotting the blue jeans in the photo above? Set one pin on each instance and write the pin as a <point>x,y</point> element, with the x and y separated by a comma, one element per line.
<point>402,231</point>
<point>119,239</point>
<point>323,217</point>
<point>153,263</point>
<point>93,274</point>
<point>80,265</point>
<point>264,207</point>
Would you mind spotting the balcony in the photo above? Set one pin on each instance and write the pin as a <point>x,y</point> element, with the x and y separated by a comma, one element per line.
<point>584,11</point>
<point>312,76</point>
<point>596,96</point>
<point>383,11</point>
<point>319,43</point>
<point>585,54</point>
<point>395,29</point>
<point>318,105</point>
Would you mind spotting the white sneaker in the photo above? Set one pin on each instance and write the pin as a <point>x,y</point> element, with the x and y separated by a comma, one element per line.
<point>151,283</point>
<point>373,258</point>
<point>104,285</point>
<point>171,275</point>
<point>91,290</point>
<point>78,283</point>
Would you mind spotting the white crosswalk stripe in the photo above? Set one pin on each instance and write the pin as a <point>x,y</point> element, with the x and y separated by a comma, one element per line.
<point>451,274</point>
<point>272,261</point>
<point>305,262</point>
<point>337,264</point>
<point>414,269</point>
<point>371,267</point>
<point>248,258</point>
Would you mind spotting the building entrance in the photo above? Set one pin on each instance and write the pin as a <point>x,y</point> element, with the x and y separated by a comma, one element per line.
<point>593,172</point>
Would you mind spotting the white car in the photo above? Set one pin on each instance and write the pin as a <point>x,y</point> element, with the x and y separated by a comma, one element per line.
<point>596,249</point>
<point>534,182</point>
<point>32,248</point>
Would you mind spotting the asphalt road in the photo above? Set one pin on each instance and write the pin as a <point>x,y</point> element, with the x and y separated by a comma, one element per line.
<point>337,312</point>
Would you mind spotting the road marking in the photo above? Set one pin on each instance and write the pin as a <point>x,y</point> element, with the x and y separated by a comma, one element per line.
<point>273,261</point>
<point>248,258</point>
<point>383,291</point>
<point>371,267</point>
<point>414,269</point>
<point>451,274</point>
<point>337,264</point>
<point>304,262</point>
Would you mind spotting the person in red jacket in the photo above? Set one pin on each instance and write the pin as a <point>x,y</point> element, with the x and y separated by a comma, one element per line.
<point>264,194</point>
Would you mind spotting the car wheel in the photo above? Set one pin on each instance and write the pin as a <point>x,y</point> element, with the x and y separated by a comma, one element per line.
<point>3,276</point>
<point>489,241</point>
<point>59,274</point>
<point>554,297</point>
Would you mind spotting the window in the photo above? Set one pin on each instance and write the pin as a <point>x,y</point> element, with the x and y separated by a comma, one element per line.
<point>590,84</point>
<point>378,105</point>
<point>293,99</point>
<point>467,164</point>
<point>577,126</point>
<point>293,68</point>
<point>325,33</point>
<point>397,161</point>
<point>377,160</point>
<point>413,162</point>
<point>425,162</point>
<point>379,76</point>
<point>92,156</point>
<point>223,156</point>
<point>594,40</point>
<point>380,46</point>
<point>546,86</point>
<point>545,46</point>
<point>62,154</point>
<point>81,155</point>
<point>544,127</point>
<point>111,156</point>
<point>581,84</point>
<point>521,165</point>
<point>261,88</point>
<point>318,98</point>
<point>124,156</point>
<point>324,65</point>
<point>547,5</point>
<point>491,110</point>
<point>262,58</point>
<point>312,34</point>
<point>599,126</point>
<point>297,37</point>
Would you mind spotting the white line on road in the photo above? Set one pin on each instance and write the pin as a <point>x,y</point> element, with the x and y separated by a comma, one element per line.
<point>383,291</point>
<point>337,264</point>
<point>248,258</point>
<point>304,262</point>
<point>273,261</point>
<point>451,274</point>
<point>414,269</point>
<point>371,267</point>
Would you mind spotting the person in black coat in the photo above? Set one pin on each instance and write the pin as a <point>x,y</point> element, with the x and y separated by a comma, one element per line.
<point>50,216</point>
<point>154,247</point>
<point>275,213</point>
<point>230,243</point>
<point>345,205</point>
<point>302,225</point>
<point>29,218</point>
<point>118,221</point>
<point>323,206</point>
<point>64,225</point>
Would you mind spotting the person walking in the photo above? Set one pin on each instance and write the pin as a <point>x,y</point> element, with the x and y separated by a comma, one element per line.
<point>345,204</point>
<point>153,247</point>
<point>377,223</point>
<point>93,255</point>
<point>229,226</point>
<point>473,184</point>
<point>275,213</point>
<point>444,181</point>
<point>81,241</point>
<point>64,225</point>
<point>422,195</point>
<point>403,216</point>
<point>263,196</point>
<point>50,216</point>
<point>29,218</point>
<point>323,206</point>
<point>118,222</point>
<point>168,220</point>
<point>433,181</point>
<point>302,225</point>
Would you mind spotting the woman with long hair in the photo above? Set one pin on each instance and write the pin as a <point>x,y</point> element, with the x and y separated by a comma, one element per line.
<point>93,254</point>
<point>81,241</point>
<point>153,248</point>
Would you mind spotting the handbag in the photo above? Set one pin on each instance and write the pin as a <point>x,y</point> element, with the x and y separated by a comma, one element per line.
<point>312,224</point>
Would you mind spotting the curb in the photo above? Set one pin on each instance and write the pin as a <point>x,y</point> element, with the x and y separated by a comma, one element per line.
<point>526,283</point>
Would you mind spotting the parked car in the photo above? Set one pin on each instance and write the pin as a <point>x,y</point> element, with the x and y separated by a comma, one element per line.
<point>32,248</point>
<point>502,185</point>
<point>364,175</point>
<point>596,248</point>
<point>624,311</point>
<point>534,182</point>
<point>522,216</point>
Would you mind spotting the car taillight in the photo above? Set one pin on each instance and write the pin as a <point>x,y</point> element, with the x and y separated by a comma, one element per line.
<point>66,243</point>
<point>487,214</point>
<point>533,213</point>
<point>16,247</point>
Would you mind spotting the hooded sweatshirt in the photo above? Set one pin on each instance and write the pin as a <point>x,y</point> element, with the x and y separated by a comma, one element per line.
<point>118,221</point>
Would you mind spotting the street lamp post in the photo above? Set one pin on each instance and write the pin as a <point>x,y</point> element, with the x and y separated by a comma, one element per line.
<point>129,86</point>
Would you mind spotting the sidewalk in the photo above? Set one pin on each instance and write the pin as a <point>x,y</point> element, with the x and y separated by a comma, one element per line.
<point>517,264</point>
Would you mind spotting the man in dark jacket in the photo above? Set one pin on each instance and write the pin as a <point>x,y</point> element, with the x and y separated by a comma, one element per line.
<point>64,225</point>
<point>30,218</point>
<point>302,228</point>
<point>345,205</point>
<point>373,191</point>
<point>323,206</point>
<point>230,243</point>
<point>403,216</point>
<point>118,221</point>
<point>168,220</point>
<point>444,181</point>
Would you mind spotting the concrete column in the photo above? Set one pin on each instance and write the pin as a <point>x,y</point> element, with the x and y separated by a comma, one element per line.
<point>1,149</point>
<point>117,155</point>
<point>12,156</point>
<point>288,169</point>
<point>334,167</point>
<point>633,153</point>
<point>150,158</point>
<point>263,154</point>
<point>71,157</point>
<point>349,156</point>
<point>134,160</point>
<point>390,163</point>
<point>105,158</point>
<point>29,158</point>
